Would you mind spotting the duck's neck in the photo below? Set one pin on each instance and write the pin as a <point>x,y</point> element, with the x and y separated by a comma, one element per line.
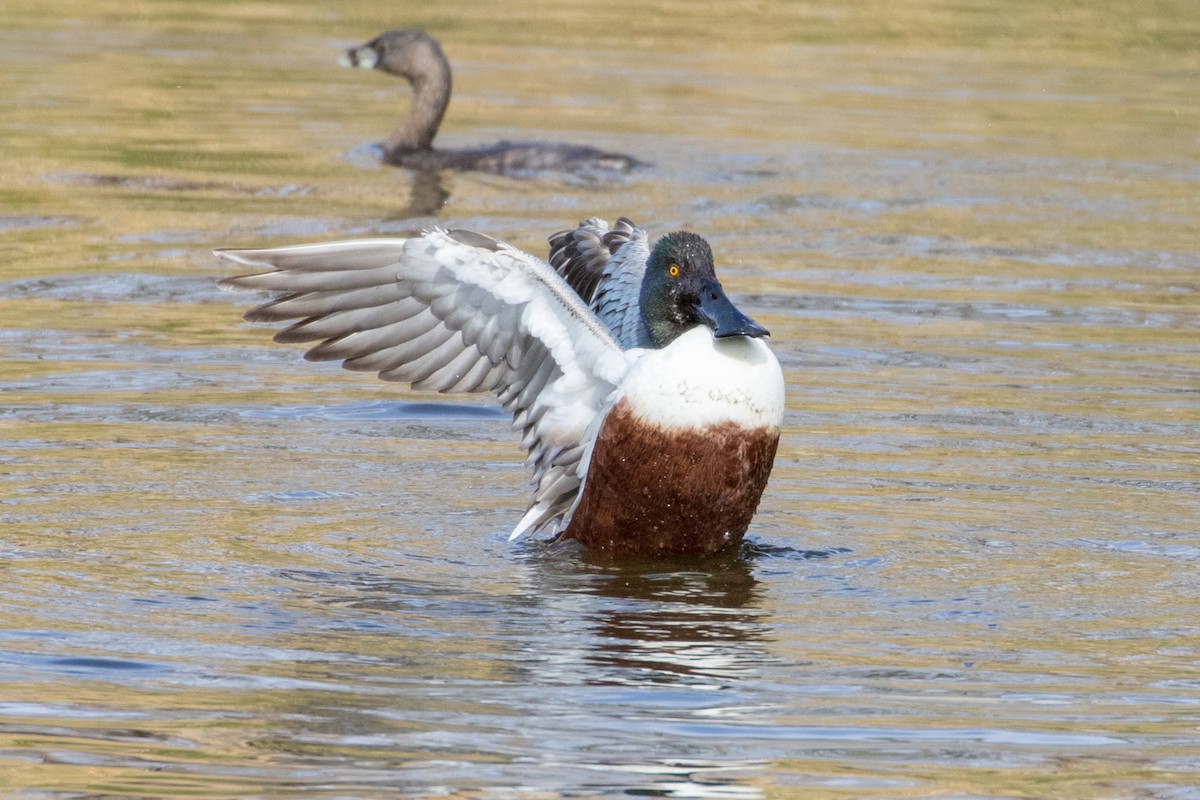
<point>431,95</point>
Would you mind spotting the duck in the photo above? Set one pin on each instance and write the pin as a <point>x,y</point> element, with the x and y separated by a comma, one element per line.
<point>417,57</point>
<point>649,406</point>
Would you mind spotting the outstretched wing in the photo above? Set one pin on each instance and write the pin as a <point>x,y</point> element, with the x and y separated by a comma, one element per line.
<point>454,311</point>
<point>605,267</point>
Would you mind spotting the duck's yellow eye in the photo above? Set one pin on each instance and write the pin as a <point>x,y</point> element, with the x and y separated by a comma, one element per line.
<point>673,270</point>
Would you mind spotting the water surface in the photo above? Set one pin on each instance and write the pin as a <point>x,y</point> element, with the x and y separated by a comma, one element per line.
<point>971,230</point>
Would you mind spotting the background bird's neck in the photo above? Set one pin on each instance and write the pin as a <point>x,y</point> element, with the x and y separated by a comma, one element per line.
<point>431,95</point>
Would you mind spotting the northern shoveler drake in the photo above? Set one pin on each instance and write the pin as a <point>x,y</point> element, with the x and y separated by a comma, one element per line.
<point>418,58</point>
<point>649,405</point>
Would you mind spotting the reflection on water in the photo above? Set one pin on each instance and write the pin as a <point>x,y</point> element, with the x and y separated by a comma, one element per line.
<point>427,194</point>
<point>691,628</point>
<point>681,630</point>
<point>230,574</point>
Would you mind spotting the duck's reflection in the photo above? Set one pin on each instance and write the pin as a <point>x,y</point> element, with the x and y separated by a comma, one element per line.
<point>654,622</point>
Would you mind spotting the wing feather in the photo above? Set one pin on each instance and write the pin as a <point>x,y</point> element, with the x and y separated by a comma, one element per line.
<point>298,282</point>
<point>305,305</point>
<point>407,311</point>
<point>579,255</point>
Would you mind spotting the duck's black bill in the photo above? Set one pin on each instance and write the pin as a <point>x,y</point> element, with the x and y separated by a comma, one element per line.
<point>720,314</point>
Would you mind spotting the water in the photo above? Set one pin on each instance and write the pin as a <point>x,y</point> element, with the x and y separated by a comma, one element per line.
<point>971,230</point>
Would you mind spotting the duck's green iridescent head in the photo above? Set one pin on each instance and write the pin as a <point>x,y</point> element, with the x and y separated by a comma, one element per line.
<point>680,290</point>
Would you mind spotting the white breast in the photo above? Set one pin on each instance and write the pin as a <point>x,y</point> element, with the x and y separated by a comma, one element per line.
<point>698,381</point>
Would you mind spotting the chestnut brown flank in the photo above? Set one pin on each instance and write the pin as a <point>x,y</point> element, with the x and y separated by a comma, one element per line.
<point>655,492</point>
